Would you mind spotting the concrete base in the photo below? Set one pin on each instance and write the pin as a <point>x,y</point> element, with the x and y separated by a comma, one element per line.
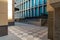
<point>34,21</point>
<point>3,30</point>
<point>10,23</point>
<point>44,22</point>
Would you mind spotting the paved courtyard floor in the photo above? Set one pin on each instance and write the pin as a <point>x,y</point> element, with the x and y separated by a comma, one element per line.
<point>23,31</point>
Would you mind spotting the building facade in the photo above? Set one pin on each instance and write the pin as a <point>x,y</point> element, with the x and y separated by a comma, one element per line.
<point>30,8</point>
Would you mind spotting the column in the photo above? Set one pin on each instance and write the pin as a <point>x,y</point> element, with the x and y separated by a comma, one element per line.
<point>3,18</point>
<point>53,9</point>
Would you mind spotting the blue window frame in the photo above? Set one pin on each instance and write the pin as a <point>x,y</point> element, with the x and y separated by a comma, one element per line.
<point>36,11</point>
<point>30,13</point>
<point>37,2</point>
<point>26,13</point>
<point>23,14</point>
<point>20,15</point>
<point>45,1</point>
<point>21,7</point>
<point>27,4</point>
<point>40,1</point>
<point>40,10</point>
<point>30,3</point>
<point>24,5</point>
<point>20,0</point>
<point>33,12</point>
<point>33,3</point>
<point>45,9</point>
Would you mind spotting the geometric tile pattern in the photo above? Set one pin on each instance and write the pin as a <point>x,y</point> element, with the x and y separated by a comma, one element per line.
<point>29,32</point>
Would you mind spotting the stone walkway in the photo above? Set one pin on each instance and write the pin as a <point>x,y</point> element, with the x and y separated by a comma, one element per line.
<point>23,31</point>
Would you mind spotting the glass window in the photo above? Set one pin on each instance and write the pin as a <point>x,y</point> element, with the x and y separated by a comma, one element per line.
<point>30,13</point>
<point>20,0</point>
<point>17,1</point>
<point>33,3</point>
<point>40,10</point>
<point>27,4</point>
<point>45,9</point>
<point>26,13</point>
<point>17,6</point>
<point>45,1</point>
<point>40,1</point>
<point>37,2</point>
<point>23,0</point>
<point>33,12</point>
<point>24,5</point>
<point>22,14</point>
<point>30,3</point>
<point>21,7</point>
<point>36,12</point>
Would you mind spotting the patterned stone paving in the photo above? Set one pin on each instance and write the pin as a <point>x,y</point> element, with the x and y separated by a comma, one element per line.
<point>23,31</point>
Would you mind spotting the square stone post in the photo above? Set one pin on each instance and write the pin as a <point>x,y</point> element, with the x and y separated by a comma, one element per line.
<point>3,18</point>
